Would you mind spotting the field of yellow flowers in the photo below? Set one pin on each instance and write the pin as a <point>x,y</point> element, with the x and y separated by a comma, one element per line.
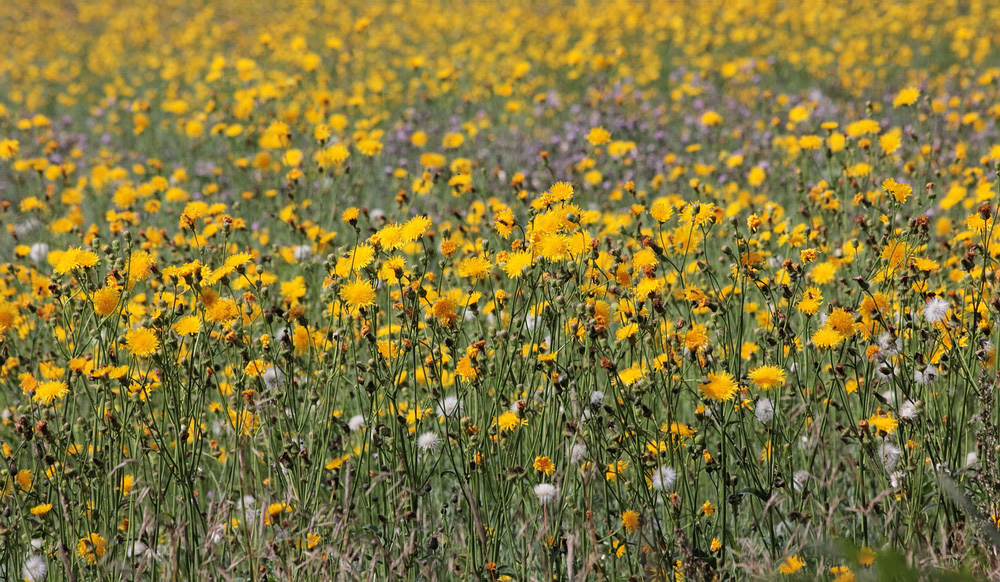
<point>499,290</point>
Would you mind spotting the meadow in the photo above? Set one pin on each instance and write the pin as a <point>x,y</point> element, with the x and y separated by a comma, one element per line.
<point>499,290</point>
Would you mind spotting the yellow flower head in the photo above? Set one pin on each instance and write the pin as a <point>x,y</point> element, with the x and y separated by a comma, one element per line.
<point>767,377</point>
<point>631,520</point>
<point>142,342</point>
<point>92,548</point>
<point>106,299</point>
<point>720,386</point>
<point>75,258</point>
<point>358,294</point>
<point>48,392</point>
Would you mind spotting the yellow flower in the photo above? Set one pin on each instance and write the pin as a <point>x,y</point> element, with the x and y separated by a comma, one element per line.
<point>245,422</point>
<point>92,548</point>
<point>415,228</point>
<point>444,310</point>
<point>631,520</point>
<point>711,118</point>
<point>188,325</point>
<point>561,191</point>
<point>141,342</point>
<point>475,268</point>
<point>504,222</point>
<point>617,548</point>
<point>390,237</point>
<point>767,377</point>
<point>452,140</point>
<point>883,422</point>
<point>335,156</point>
<point>866,556</point>
<point>350,215</point>
<point>841,321</point>
<point>74,258</point>
<point>545,465</point>
<point>890,142</point>
<point>906,97</point>
<point>360,257</point>
<point>465,369</point>
<point>554,247</point>
<point>509,421</point>
<point>627,331</point>
<point>41,509</point>
<point>863,127</point>
<point>898,190</point>
<point>720,386</point>
<point>827,338</point>
<point>273,510</point>
<point>140,263</point>
<point>312,540</point>
<point>369,147</point>
<point>448,247</point>
<point>255,368</point>
<point>358,294</point>
<point>661,210</point>
<point>222,311</point>
<point>24,479</point>
<point>696,338</point>
<point>126,485</point>
<point>811,301</point>
<point>598,136</point>
<point>47,392</point>
<point>810,142</point>
<point>8,148</point>
<point>631,375</point>
<point>791,565</point>
<point>517,263</point>
<point>614,470</point>
<point>106,299</point>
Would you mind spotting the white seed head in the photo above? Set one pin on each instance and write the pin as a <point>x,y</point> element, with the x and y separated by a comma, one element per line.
<point>138,550</point>
<point>888,345</point>
<point>272,377</point>
<point>449,406</point>
<point>889,453</point>
<point>935,310</point>
<point>546,493</point>
<point>35,568</point>
<point>38,252</point>
<point>428,441</point>
<point>799,480</point>
<point>356,423</point>
<point>302,252</point>
<point>925,376</point>
<point>764,410</point>
<point>663,478</point>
